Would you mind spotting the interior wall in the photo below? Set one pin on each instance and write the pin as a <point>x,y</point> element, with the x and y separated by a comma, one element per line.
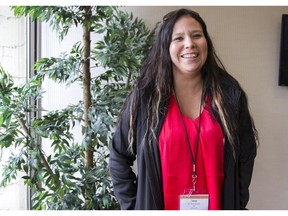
<point>247,40</point>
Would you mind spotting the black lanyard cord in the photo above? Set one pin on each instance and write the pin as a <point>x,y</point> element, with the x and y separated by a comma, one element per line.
<point>194,175</point>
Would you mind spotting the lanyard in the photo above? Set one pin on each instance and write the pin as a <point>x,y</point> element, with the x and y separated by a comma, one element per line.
<point>194,174</point>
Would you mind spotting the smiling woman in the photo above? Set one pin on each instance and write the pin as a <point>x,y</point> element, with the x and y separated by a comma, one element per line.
<point>185,121</point>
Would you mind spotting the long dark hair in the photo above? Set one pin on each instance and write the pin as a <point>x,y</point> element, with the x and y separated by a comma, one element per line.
<point>156,77</point>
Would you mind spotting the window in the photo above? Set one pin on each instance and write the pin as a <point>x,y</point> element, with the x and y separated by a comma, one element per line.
<point>13,59</point>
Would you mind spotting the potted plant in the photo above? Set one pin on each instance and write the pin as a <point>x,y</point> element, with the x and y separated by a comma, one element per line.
<point>73,175</point>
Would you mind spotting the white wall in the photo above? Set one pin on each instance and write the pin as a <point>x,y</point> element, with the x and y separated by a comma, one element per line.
<point>247,39</point>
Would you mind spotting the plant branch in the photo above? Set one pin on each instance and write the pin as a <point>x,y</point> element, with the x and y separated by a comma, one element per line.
<point>128,79</point>
<point>43,158</point>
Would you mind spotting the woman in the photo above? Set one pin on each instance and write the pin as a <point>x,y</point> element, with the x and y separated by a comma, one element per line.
<point>187,122</point>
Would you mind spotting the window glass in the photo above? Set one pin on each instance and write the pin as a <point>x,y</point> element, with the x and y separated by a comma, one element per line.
<point>13,60</point>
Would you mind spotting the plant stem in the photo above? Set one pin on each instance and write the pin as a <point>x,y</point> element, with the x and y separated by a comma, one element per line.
<point>128,79</point>
<point>86,84</point>
<point>43,158</point>
<point>89,192</point>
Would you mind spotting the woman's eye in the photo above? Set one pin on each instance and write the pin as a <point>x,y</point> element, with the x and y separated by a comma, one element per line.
<point>178,39</point>
<point>197,36</point>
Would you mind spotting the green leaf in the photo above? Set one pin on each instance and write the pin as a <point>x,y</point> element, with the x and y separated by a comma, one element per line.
<point>26,177</point>
<point>6,140</point>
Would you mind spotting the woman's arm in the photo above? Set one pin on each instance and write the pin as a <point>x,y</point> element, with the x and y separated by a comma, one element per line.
<point>248,149</point>
<point>120,162</point>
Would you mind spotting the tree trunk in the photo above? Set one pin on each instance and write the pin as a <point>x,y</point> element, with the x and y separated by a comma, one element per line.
<point>87,98</point>
<point>86,85</point>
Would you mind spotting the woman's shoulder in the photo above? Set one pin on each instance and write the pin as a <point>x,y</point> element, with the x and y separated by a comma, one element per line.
<point>231,87</point>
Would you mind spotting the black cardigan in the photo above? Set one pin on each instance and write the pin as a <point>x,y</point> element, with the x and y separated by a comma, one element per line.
<point>146,191</point>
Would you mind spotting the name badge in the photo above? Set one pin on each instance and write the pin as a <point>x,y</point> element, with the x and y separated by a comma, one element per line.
<point>194,202</point>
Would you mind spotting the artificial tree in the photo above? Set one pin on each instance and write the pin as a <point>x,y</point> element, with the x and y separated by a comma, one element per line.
<point>73,175</point>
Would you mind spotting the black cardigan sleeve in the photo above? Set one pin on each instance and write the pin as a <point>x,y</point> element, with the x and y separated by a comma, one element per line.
<point>247,152</point>
<point>120,165</point>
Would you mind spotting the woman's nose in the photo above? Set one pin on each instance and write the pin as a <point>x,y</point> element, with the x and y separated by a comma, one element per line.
<point>189,43</point>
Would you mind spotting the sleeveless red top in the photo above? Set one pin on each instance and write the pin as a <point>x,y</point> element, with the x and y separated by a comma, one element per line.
<point>176,160</point>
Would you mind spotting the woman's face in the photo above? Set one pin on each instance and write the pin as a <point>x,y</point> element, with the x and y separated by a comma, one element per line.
<point>188,47</point>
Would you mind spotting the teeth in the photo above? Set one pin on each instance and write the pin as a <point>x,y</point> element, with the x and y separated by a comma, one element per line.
<point>190,55</point>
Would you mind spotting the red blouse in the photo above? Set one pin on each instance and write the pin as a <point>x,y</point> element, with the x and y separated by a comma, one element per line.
<point>177,162</point>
